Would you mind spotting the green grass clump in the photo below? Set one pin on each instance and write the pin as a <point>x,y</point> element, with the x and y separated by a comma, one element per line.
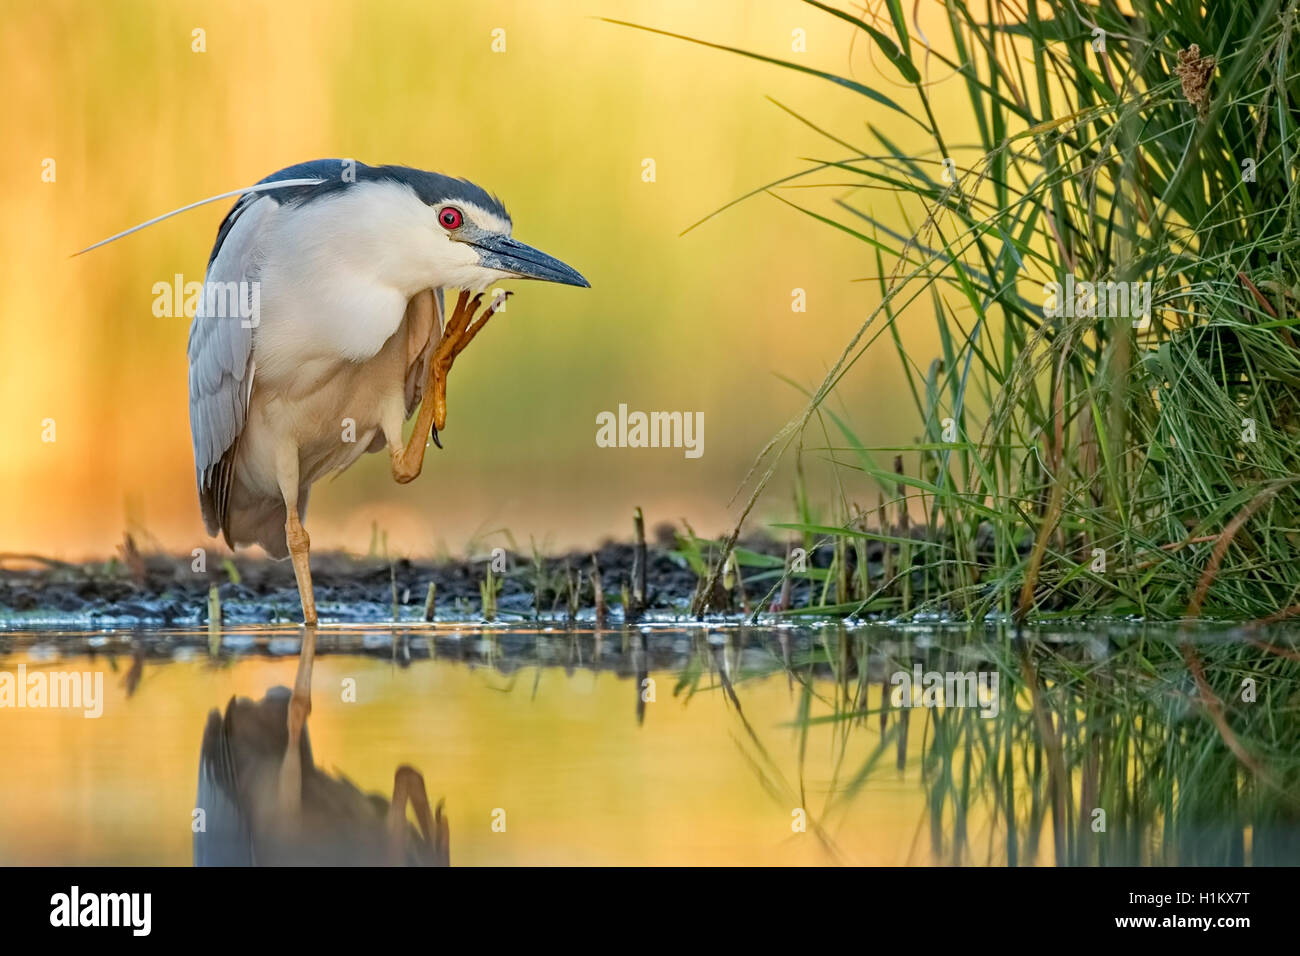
<point>1074,464</point>
<point>1157,745</point>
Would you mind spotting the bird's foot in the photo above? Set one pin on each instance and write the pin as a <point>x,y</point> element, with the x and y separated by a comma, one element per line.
<point>458,333</point>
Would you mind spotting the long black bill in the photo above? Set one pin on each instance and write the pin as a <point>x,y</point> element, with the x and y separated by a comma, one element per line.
<point>522,260</point>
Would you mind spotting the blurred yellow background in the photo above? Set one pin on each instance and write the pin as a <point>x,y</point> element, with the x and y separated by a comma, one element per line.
<point>558,125</point>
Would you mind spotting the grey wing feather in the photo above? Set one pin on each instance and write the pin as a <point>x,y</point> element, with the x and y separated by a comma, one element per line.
<point>221,359</point>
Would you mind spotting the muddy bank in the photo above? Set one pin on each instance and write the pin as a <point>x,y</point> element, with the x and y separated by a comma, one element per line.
<point>162,590</point>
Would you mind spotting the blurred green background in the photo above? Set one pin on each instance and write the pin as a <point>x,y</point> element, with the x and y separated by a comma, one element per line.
<point>558,125</point>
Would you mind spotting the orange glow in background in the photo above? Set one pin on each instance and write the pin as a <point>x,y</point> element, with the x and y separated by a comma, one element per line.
<point>138,123</point>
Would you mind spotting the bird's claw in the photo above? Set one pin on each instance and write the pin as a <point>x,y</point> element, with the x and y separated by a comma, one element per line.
<point>457,333</point>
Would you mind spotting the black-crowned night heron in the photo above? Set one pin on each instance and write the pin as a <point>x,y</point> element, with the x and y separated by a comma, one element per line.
<point>335,335</point>
<point>349,338</point>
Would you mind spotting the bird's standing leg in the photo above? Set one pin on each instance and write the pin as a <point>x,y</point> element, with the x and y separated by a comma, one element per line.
<point>286,473</point>
<point>456,334</point>
<point>295,535</point>
<point>408,786</point>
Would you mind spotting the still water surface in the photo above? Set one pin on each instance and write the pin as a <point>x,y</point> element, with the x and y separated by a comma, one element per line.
<point>669,745</point>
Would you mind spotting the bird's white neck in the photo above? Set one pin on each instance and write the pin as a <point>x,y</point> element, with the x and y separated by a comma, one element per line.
<point>340,270</point>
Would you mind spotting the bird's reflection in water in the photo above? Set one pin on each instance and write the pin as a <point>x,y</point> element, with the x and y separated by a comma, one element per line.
<point>252,817</point>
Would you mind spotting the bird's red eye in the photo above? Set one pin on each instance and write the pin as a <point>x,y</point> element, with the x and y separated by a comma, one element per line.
<point>451,218</point>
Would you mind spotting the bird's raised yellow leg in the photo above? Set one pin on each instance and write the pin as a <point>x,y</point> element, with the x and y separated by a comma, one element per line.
<point>456,334</point>
<point>408,787</point>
